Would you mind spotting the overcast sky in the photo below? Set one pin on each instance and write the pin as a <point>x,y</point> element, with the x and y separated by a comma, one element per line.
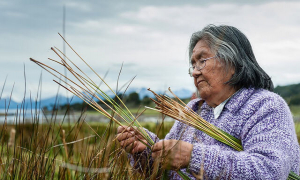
<point>150,37</point>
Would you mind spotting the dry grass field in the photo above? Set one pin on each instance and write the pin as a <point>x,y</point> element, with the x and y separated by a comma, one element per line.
<point>78,150</point>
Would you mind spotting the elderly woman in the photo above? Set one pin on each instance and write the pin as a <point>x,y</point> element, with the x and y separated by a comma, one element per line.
<point>236,96</point>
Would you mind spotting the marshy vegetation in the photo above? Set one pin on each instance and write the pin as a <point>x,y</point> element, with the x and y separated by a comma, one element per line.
<point>65,151</point>
<point>61,150</point>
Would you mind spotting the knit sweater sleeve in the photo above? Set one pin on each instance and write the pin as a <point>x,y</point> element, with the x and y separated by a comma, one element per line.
<point>269,142</point>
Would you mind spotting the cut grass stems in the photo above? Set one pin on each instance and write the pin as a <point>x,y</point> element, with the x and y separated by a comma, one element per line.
<point>179,110</point>
<point>87,90</point>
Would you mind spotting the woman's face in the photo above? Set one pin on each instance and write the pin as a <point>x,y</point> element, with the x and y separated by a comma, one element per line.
<point>210,80</point>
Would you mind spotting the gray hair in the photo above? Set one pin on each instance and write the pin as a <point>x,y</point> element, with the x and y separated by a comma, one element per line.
<point>232,46</point>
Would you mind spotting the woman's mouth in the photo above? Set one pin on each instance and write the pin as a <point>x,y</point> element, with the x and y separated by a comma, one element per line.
<point>198,82</point>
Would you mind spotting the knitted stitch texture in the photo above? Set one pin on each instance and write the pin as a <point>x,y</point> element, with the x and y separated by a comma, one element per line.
<point>264,124</point>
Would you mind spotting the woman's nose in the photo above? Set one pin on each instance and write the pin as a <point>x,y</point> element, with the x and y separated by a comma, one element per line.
<point>196,72</point>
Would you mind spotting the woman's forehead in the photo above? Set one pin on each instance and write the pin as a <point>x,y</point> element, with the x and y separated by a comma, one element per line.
<point>200,47</point>
<point>201,50</point>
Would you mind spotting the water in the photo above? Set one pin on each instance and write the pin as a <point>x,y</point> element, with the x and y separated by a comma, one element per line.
<point>28,116</point>
<point>14,115</point>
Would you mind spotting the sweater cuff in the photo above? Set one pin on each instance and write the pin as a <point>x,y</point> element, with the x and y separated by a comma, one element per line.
<point>152,135</point>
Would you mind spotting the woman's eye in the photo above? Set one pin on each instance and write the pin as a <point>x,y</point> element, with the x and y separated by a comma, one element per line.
<point>201,61</point>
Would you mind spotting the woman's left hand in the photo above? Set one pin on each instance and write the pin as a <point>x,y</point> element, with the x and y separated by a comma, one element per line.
<point>173,154</point>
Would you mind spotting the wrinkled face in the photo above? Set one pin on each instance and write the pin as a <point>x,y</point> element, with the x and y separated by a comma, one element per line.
<point>210,80</point>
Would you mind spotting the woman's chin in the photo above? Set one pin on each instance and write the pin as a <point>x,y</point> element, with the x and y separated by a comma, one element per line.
<point>203,95</point>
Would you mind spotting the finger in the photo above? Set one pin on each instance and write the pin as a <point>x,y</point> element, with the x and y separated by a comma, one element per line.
<point>126,135</point>
<point>127,141</point>
<point>129,148</point>
<point>138,147</point>
<point>122,129</point>
<point>130,128</point>
<point>135,147</point>
<point>157,146</point>
<point>122,136</point>
<point>130,144</point>
<point>139,138</point>
<point>136,129</point>
<point>156,154</point>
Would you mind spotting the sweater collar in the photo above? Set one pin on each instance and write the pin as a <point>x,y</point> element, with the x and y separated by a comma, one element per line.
<point>232,104</point>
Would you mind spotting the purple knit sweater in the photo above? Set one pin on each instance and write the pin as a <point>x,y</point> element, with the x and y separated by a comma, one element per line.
<point>264,124</point>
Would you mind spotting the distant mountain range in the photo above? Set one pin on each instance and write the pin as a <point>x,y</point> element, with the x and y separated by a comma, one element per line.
<point>61,100</point>
<point>291,93</point>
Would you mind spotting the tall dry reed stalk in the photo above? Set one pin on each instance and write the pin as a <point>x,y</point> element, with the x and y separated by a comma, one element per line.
<point>40,151</point>
<point>12,136</point>
<point>86,89</point>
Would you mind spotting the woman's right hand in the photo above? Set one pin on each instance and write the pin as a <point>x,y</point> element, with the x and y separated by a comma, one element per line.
<point>130,139</point>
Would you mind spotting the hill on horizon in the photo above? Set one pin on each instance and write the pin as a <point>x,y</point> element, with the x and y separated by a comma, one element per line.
<point>62,100</point>
<point>291,93</point>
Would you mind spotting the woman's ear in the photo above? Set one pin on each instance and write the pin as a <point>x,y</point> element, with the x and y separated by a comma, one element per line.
<point>232,71</point>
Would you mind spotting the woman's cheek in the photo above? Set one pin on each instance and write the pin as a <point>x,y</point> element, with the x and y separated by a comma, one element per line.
<point>195,83</point>
<point>204,90</point>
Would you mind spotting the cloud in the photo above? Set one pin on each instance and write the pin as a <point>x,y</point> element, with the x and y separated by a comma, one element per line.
<point>150,38</point>
<point>88,25</point>
<point>81,6</point>
<point>273,34</point>
<point>128,29</point>
<point>14,14</point>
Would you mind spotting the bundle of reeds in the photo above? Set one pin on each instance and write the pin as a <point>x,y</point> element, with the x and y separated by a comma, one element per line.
<point>181,112</point>
<point>87,90</point>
